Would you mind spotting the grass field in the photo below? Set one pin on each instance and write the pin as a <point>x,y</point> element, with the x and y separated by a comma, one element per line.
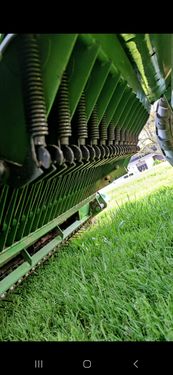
<point>113,282</point>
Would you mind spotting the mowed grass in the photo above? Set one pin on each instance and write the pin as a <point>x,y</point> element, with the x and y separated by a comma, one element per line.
<point>112,283</point>
<point>147,182</point>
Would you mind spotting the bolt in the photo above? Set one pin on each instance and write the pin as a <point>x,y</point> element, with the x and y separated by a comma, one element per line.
<point>44,157</point>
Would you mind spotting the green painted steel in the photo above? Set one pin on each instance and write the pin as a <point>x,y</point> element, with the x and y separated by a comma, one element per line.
<point>55,51</point>
<point>72,107</point>
<point>152,56</point>
<point>79,69</point>
<point>95,84</point>
<point>90,207</point>
<point>113,48</point>
<point>51,47</point>
<point>85,210</point>
<point>27,266</point>
<point>115,100</point>
<point>10,252</point>
<point>106,94</point>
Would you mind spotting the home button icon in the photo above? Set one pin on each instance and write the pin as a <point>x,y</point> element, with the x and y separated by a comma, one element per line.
<point>86,363</point>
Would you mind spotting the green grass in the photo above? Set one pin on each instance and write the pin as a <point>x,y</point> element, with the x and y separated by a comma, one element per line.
<point>149,181</point>
<point>114,282</point>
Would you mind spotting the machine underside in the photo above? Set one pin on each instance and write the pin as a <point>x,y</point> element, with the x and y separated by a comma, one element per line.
<point>72,107</point>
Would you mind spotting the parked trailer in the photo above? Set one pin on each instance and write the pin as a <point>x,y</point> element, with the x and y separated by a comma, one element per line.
<point>71,109</point>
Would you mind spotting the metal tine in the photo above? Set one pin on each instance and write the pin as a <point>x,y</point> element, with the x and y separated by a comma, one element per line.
<point>33,192</point>
<point>49,202</point>
<point>41,205</point>
<point>17,215</point>
<point>3,197</point>
<point>9,216</point>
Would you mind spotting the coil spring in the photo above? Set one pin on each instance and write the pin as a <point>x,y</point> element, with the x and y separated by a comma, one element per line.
<point>80,117</point>
<point>126,136</point>
<point>35,105</point>
<point>111,132</point>
<point>103,128</point>
<point>135,139</point>
<point>122,135</point>
<point>93,129</point>
<point>131,137</point>
<point>63,110</point>
<point>117,134</point>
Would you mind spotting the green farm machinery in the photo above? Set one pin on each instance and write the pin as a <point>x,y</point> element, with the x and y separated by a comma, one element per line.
<point>71,110</point>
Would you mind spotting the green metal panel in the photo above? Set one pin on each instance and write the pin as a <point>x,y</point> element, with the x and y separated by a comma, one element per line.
<point>134,113</point>
<point>136,119</point>
<point>162,44</point>
<point>106,94</point>
<point>114,102</point>
<point>126,108</point>
<point>51,48</point>
<point>9,253</point>
<point>12,122</point>
<point>79,69</point>
<point>55,51</point>
<point>139,121</point>
<point>84,211</point>
<point>163,47</point>
<point>112,47</point>
<point>94,85</point>
<point>130,105</point>
<point>121,104</point>
<point>27,266</point>
<point>152,77</point>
